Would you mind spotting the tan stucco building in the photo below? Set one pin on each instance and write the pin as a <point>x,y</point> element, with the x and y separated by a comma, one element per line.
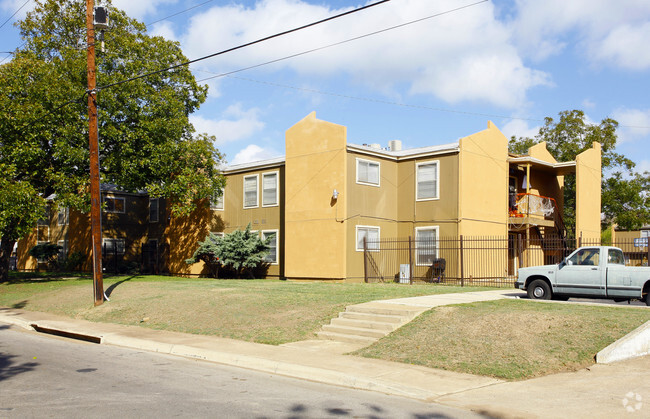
<point>326,195</point>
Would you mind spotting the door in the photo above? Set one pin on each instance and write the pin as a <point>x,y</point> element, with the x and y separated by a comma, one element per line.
<point>581,274</point>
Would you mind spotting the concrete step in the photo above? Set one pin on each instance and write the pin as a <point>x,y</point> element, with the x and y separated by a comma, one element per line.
<point>355,331</point>
<point>364,340</point>
<point>385,309</point>
<point>364,324</point>
<point>383,318</point>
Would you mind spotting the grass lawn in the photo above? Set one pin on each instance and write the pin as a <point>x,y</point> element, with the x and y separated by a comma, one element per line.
<point>262,311</point>
<point>510,339</point>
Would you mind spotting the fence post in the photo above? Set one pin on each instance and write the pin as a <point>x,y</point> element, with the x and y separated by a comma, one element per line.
<point>410,262</point>
<point>365,259</point>
<point>580,240</point>
<point>462,270</point>
<point>520,252</point>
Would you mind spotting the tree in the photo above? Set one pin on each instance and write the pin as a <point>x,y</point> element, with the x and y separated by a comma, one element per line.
<point>146,139</point>
<point>570,136</point>
<point>48,253</point>
<point>626,202</point>
<point>240,250</point>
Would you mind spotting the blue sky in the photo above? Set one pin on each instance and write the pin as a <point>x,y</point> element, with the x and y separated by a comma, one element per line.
<point>510,61</point>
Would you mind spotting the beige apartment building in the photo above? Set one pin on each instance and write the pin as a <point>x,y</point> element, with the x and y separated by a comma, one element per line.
<point>327,199</point>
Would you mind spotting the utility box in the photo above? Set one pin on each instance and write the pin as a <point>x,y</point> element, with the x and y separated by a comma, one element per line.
<point>100,18</point>
<point>404,273</point>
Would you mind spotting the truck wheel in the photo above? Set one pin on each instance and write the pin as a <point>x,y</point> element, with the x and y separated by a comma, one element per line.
<point>539,290</point>
<point>647,299</point>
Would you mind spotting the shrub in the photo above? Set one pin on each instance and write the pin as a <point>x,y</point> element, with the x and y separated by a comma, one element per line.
<point>242,251</point>
<point>48,253</point>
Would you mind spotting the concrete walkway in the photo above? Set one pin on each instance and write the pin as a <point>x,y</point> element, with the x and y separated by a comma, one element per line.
<point>599,391</point>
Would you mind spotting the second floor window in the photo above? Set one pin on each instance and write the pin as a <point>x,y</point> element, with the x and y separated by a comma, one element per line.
<point>250,191</point>
<point>427,180</point>
<point>63,217</point>
<point>269,189</point>
<point>153,210</point>
<point>112,204</point>
<point>368,172</point>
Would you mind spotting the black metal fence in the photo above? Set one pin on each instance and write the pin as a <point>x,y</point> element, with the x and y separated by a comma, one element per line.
<point>476,261</point>
<point>150,258</point>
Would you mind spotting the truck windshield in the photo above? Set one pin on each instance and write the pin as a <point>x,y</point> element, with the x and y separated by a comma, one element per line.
<point>585,257</point>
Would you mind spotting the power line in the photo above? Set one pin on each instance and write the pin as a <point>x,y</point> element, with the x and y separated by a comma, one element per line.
<point>247,44</point>
<point>15,13</point>
<point>178,13</point>
<point>343,42</point>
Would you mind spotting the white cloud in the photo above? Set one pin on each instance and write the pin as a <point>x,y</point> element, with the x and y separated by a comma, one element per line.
<point>643,166</point>
<point>519,128</point>
<point>627,46</point>
<point>235,124</point>
<point>611,33</point>
<point>13,6</point>
<point>140,9</point>
<point>634,124</point>
<point>164,29</point>
<point>254,153</point>
<point>467,55</point>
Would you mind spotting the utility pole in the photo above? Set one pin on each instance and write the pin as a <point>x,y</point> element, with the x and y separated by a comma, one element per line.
<point>93,134</point>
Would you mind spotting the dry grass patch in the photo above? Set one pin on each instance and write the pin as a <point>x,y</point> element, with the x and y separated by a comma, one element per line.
<point>508,339</point>
<point>272,312</point>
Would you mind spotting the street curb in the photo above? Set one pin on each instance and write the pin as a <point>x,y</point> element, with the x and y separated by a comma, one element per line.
<point>634,344</point>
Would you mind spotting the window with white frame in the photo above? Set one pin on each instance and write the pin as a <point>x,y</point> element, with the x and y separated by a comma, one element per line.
<point>63,217</point>
<point>63,250</point>
<point>272,257</point>
<point>216,203</point>
<point>368,172</point>
<point>219,234</point>
<point>250,192</point>
<point>153,210</point>
<point>370,235</point>
<point>270,189</point>
<point>113,246</point>
<point>114,205</point>
<point>426,245</point>
<point>427,176</point>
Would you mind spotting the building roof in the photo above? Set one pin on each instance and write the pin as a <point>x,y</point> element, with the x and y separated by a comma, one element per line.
<point>561,169</point>
<point>406,154</point>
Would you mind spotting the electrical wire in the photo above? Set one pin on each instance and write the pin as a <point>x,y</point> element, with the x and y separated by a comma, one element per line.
<point>349,12</point>
<point>344,41</point>
<point>178,13</point>
<point>15,13</point>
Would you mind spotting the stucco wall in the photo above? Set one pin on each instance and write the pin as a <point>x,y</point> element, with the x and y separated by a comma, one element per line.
<point>588,189</point>
<point>315,240</point>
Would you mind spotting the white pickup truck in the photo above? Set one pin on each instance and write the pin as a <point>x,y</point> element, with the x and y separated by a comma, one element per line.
<point>589,272</point>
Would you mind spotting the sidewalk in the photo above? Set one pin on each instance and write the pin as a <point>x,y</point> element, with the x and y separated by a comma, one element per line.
<point>595,392</point>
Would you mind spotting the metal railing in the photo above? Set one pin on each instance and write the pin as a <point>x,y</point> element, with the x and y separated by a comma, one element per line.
<point>475,261</point>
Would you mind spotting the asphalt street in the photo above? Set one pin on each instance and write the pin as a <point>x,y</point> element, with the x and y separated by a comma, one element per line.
<point>45,376</point>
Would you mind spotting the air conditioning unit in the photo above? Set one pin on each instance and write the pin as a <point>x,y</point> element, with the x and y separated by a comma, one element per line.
<point>100,18</point>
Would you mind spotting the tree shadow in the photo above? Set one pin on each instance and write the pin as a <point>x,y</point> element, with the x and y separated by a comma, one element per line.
<point>21,304</point>
<point>368,411</point>
<point>9,368</point>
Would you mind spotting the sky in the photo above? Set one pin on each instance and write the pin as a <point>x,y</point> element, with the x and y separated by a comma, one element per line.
<point>443,71</point>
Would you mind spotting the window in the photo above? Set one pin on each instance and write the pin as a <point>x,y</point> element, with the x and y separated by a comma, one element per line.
<point>112,204</point>
<point>63,217</point>
<point>63,250</point>
<point>585,257</point>
<point>368,172</point>
<point>250,192</point>
<point>427,175</point>
<point>153,210</point>
<point>216,203</point>
<point>615,257</point>
<point>113,246</point>
<point>370,235</point>
<point>219,234</point>
<point>272,257</point>
<point>426,245</point>
<point>270,189</point>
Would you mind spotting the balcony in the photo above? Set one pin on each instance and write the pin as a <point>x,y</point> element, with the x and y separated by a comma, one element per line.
<point>528,209</point>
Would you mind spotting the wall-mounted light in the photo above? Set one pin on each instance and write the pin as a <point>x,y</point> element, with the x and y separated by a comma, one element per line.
<point>335,194</point>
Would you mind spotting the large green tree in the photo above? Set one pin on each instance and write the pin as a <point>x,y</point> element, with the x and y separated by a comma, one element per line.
<point>146,139</point>
<point>572,134</point>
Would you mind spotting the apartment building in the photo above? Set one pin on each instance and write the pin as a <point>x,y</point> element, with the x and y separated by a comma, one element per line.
<point>327,199</point>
